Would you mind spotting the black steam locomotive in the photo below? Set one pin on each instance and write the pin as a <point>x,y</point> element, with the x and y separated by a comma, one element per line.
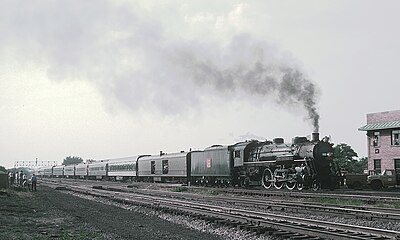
<point>302,163</point>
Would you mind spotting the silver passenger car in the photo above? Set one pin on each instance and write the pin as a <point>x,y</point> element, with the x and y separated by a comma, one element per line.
<point>81,170</point>
<point>44,172</point>
<point>164,167</point>
<point>47,172</point>
<point>69,171</point>
<point>122,168</point>
<point>58,171</point>
<point>97,170</point>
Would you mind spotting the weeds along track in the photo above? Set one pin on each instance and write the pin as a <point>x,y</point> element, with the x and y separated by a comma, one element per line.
<point>369,196</point>
<point>231,212</point>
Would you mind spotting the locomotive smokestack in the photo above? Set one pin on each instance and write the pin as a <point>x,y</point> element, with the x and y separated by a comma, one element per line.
<point>314,136</point>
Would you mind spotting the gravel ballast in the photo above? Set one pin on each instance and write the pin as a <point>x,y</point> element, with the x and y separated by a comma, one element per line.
<point>54,214</point>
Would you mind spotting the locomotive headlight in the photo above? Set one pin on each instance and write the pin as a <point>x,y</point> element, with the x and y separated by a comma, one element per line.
<point>328,154</point>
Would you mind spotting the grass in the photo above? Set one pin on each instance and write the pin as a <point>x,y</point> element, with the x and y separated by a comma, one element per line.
<point>213,192</point>
<point>355,202</point>
<point>338,201</point>
<point>180,189</point>
<point>395,205</point>
<point>206,191</point>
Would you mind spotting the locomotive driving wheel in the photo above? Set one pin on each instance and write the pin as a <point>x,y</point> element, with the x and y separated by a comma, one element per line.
<point>316,185</point>
<point>267,179</point>
<point>291,184</point>
<point>279,182</point>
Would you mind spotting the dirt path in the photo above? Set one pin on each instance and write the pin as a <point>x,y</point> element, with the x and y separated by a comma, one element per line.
<point>52,214</point>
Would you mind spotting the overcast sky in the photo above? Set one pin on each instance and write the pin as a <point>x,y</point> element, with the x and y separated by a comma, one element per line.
<point>106,79</point>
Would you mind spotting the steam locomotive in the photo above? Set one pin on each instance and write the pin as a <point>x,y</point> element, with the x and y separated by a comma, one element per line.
<point>302,163</point>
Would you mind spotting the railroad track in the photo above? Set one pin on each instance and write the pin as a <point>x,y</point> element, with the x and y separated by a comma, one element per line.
<point>371,197</point>
<point>366,196</point>
<point>358,212</point>
<point>262,222</point>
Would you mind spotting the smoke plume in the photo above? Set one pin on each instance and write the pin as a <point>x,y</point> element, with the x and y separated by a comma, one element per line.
<point>128,58</point>
<point>255,74</point>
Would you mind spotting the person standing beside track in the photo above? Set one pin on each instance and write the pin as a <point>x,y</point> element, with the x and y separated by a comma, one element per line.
<point>21,178</point>
<point>34,181</point>
<point>11,178</point>
<point>16,181</point>
<point>24,181</point>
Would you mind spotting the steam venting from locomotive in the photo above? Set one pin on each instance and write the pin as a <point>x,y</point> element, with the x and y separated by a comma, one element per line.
<point>128,57</point>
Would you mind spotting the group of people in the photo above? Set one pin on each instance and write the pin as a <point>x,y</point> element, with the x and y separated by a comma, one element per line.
<point>20,179</point>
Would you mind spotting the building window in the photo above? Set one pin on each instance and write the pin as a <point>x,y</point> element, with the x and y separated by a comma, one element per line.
<point>377,165</point>
<point>375,139</point>
<point>165,166</point>
<point>395,137</point>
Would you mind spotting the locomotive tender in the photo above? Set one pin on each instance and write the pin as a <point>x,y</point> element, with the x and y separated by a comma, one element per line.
<point>302,163</point>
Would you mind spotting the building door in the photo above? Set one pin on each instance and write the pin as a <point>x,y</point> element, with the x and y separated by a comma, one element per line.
<point>397,168</point>
<point>377,166</point>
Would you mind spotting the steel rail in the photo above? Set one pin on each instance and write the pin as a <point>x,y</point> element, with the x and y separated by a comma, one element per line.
<point>293,224</point>
<point>363,212</point>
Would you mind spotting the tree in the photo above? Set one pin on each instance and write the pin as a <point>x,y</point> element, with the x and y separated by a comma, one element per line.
<point>72,160</point>
<point>346,158</point>
<point>360,165</point>
<point>3,169</point>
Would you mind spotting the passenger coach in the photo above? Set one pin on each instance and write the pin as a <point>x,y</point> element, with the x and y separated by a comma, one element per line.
<point>123,168</point>
<point>81,170</point>
<point>97,170</point>
<point>164,167</point>
<point>69,171</point>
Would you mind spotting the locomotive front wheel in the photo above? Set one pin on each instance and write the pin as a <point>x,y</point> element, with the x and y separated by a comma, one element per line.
<point>267,179</point>
<point>290,185</point>
<point>300,186</point>
<point>316,185</point>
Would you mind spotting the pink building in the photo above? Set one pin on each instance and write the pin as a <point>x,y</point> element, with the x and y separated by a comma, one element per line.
<point>383,139</point>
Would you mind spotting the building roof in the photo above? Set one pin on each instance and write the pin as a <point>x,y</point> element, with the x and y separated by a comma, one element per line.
<point>380,125</point>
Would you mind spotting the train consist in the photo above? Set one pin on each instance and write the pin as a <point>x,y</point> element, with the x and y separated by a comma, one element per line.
<point>302,163</point>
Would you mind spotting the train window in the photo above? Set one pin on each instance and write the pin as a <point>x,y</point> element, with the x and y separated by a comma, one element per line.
<point>237,154</point>
<point>131,167</point>
<point>375,140</point>
<point>153,167</point>
<point>395,137</point>
<point>165,166</point>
